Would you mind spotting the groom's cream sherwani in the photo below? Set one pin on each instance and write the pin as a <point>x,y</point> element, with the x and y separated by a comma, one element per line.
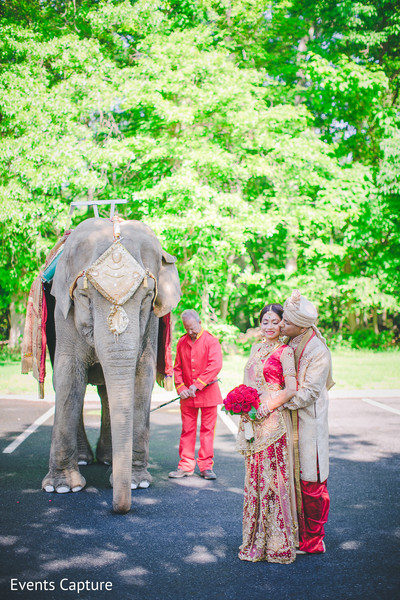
<point>311,401</point>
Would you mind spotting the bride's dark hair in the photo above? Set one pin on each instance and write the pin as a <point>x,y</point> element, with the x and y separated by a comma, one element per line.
<point>276,308</point>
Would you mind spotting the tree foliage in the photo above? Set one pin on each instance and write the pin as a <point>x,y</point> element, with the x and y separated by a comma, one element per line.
<point>259,140</point>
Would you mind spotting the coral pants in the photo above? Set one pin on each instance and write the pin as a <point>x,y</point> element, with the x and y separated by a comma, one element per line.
<point>187,442</point>
<point>315,499</point>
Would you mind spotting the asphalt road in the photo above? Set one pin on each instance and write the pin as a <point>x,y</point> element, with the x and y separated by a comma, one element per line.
<point>181,539</point>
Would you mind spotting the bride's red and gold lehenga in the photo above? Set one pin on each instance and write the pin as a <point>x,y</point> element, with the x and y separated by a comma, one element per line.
<point>270,530</point>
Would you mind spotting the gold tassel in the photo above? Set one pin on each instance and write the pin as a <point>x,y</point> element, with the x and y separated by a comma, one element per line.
<point>84,282</point>
<point>41,391</point>
<point>145,284</point>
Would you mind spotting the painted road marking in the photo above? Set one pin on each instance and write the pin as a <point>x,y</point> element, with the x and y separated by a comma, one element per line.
<point>380,405</point>
<point>25,434</point>
<point>222,415</point>
<point>228,421</point>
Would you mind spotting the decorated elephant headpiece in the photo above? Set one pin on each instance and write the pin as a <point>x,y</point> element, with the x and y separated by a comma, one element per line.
<point>116,275</point>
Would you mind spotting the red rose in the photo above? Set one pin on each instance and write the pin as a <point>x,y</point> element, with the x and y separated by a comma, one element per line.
<point>241,399</point>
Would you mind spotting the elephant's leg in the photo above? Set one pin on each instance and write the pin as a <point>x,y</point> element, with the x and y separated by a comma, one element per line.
<point>64,475</point>
<point>145,377</point>
<point>104,445</point>
<point>85,454</point>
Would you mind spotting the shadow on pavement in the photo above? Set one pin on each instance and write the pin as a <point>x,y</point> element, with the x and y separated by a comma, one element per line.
<point>181,539</point>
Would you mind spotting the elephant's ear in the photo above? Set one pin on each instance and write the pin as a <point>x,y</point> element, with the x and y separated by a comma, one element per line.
<point>168,286</point>
<point>60,286</point>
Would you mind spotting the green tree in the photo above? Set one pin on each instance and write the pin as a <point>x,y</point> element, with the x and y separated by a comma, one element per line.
<point>257,142</point>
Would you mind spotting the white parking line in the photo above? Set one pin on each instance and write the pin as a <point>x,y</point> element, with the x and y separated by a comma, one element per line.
<point>222,415</point>
<point>380,405</point>
<point>25,434</point>
<point>228,421</point>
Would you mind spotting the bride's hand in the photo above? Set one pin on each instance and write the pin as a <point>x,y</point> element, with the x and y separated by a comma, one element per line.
<point>264,408</point>
<point>265,398</point>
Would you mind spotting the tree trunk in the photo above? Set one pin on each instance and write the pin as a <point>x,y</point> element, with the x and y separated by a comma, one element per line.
<point>291,256</point>
<point>17,322</point>
<point>205,305</point>
<point>225,298</point>
<point>375,320</point>
<point>351,315</point>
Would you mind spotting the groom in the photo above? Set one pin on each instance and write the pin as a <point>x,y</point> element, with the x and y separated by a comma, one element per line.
<point>310,418</point>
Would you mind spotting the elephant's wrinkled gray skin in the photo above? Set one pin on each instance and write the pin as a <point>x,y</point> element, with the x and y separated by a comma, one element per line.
<point>128,363</point>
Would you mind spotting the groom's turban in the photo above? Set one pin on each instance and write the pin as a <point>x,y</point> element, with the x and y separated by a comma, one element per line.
<point>299,311</point>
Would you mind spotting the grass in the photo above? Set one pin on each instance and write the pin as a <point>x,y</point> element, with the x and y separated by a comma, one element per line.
<point>12,381</point>
<point>352,370</point>
<point>360,370</point>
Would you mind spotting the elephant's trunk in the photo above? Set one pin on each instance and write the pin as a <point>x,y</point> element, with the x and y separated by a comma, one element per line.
<point>121,433</point>
<point>119,372</point>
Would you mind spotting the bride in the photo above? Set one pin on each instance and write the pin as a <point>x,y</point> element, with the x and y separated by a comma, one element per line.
<point>270,529</point>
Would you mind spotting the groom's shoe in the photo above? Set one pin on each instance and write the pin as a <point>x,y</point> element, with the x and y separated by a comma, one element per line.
<point>304,552</point>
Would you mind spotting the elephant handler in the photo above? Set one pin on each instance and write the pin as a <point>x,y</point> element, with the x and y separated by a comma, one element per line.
<point>310,419</point>
<point>198,362</point>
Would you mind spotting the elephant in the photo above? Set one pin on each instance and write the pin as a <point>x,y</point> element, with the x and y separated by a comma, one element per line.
<point>112,284</point>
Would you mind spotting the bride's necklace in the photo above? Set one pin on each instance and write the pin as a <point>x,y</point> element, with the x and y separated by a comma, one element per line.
<point>266,349</point>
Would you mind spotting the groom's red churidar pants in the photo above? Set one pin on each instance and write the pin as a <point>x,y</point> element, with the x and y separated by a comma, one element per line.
<point>315,500</point>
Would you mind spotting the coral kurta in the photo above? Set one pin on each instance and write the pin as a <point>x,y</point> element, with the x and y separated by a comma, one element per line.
<point>199,363</point>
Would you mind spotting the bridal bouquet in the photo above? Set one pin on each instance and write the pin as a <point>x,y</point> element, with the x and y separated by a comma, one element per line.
<point>243,400</point>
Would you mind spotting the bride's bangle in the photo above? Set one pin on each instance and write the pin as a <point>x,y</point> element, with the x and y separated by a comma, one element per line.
<point>264,410</point>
